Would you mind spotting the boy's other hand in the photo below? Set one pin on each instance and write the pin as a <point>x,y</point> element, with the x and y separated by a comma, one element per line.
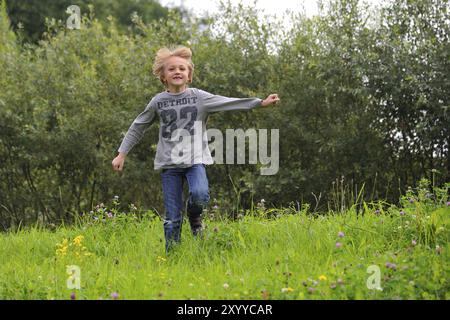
<point>118,162</point>
<point>271,99</point>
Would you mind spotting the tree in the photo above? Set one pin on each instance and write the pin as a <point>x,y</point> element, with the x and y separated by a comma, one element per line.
<point>408,79</point>
<point>29,16</point>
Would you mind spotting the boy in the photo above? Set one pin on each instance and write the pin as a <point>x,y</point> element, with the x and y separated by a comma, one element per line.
<point>181,107</point>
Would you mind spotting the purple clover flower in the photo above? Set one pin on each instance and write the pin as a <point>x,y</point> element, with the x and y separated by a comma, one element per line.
<point>73,296</point>
<point>341,234</point>
<point>311,290</point>
<point>392,266</point>
<point>402,213</point>
<point>115,295</point>
<point>338,245</point>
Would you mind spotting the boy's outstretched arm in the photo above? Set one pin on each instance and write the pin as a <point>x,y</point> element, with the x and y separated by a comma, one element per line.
<point>215,103</point>
<point>135,134</point>
<point>271,99</point>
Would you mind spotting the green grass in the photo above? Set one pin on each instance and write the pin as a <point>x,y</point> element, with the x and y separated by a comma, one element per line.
<point>267,254</point>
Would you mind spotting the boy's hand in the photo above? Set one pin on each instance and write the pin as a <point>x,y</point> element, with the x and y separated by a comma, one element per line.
<point>271,99</point>
<point>118,162</point>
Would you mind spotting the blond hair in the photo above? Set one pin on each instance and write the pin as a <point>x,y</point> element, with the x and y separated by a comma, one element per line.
<point>165,53</point>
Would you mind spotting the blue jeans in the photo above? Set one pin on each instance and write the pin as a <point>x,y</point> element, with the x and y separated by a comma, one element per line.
<point>172,184</point>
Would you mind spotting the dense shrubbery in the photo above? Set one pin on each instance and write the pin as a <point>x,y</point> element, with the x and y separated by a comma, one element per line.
<point>364,108</point>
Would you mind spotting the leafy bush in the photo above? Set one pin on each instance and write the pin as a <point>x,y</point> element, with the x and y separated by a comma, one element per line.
<point>350,107</point>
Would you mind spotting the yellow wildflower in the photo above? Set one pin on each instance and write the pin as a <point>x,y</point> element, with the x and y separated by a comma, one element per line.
<point>161,259</point>
<point>61,252</point>
<point>322,278</point>
<point>77,240</point>
<point>62,248</point>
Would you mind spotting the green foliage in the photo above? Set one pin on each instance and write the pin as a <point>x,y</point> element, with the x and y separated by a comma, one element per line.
<point>364,112</point>
<point>7,37</point>
<point>29,18</point>
<point>409,86</point>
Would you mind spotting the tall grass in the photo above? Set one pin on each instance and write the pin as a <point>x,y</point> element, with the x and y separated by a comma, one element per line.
<point>287,253</point>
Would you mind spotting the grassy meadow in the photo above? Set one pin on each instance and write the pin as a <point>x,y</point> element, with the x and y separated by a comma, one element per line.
<point>283,253</point>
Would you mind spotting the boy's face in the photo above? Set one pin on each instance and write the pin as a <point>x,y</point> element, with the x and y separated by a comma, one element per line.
<point>176,72</point>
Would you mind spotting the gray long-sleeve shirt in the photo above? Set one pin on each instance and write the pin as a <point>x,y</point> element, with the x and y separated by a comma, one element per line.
<point>182,134</point>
